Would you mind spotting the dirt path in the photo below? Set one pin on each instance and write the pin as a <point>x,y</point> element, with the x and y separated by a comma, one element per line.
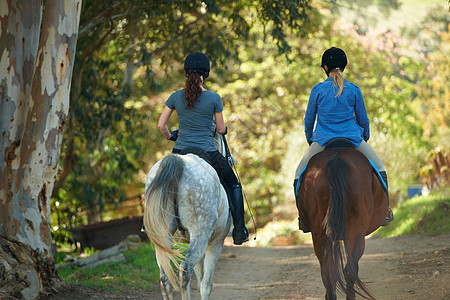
<point>407,267</point>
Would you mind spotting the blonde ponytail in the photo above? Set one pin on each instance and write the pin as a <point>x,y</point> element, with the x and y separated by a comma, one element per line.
<point>338,81</point>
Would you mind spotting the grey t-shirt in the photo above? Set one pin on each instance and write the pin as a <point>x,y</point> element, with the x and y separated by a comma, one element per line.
<point>196,124</point>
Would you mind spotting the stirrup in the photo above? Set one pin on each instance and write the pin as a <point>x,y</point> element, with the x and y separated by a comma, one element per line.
<point>302,226</point>
<point>389,217</point>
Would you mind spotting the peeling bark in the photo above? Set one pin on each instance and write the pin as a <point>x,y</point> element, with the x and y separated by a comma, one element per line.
<point>37,50</point>
<point>16,279</point>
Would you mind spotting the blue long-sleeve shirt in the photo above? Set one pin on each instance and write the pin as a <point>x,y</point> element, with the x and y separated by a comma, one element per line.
<point>341,117</point>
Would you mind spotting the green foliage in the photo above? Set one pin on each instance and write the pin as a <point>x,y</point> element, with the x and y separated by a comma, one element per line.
<point>265,99</point>
<point>365,14</point>
<point>433,93</point>
<point>436,173</point>
<point>265,60</point>
<point>139,271</point>
<point>89,251</point>
<point>421,214</point>
<point>126,52</point>
<point>60,256</point>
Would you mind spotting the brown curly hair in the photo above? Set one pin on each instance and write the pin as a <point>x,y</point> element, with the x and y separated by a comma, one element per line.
<point>192,90</point>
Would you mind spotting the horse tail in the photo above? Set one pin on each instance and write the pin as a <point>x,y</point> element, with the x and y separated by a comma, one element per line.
<point>335,240</point>
<point>160,202</point>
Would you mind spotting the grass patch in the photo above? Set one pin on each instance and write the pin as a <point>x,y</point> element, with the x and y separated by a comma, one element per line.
<point>139,271</point>
<point>421,214</point>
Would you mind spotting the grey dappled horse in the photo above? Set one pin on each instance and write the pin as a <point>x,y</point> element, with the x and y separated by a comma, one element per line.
<point>183,193</point>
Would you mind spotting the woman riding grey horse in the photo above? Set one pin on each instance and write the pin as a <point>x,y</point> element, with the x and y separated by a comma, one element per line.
<point>197,108</point>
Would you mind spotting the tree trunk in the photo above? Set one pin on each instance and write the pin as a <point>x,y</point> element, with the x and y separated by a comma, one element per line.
<point>37,49</point>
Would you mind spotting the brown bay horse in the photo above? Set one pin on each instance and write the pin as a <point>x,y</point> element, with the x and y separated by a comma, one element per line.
<point>341,200</point>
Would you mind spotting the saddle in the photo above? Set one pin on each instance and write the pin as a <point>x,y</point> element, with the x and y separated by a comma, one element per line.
<point>197,151</point>
<point>342,143</point>
<point>339,143</point>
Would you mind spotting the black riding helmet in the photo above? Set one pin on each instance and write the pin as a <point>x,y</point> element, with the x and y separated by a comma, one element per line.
<point>197,62</point>
<point>334,58</point>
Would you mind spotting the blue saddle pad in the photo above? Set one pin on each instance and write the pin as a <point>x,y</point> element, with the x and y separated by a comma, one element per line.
<point>375,169</point>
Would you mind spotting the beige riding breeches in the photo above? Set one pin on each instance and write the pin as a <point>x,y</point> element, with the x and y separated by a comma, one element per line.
<point>315,148</point>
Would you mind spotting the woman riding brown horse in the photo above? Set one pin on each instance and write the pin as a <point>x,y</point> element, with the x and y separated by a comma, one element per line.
<point>341,200</point>
<point>336,109</point>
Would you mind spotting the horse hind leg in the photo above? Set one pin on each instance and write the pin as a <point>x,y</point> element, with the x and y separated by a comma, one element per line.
<point>350,282</point>
<point>166,286</point>
<point>164,282</point>
<point>330,286</point>
<point>331,295</point>
<point>325,271</point>
<point>198,269</point>
<point>211,257</point>
<point>328,283</point>
<point>195,253</point>
<point>351,273</point>
<point>356,250</point>
<point>185,278</point>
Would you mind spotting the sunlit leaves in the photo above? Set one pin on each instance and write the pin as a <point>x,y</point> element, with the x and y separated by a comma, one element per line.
<point>264,93</point>
<point>130,51</point>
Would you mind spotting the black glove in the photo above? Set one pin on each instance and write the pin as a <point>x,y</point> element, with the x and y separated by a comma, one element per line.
<point>174,135</point>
